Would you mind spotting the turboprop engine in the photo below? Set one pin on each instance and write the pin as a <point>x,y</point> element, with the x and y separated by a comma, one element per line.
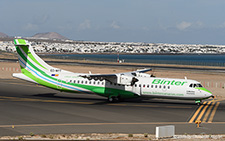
<point>126,80</point>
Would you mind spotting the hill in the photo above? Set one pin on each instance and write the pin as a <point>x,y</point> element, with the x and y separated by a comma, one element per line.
<point>49,35</point>
<point>3,35</point>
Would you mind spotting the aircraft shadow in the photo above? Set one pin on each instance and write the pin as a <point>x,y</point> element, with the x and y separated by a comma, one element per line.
<point>102,101</point>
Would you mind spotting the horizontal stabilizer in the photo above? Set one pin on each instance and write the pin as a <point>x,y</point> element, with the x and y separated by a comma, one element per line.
<point>22,76</point>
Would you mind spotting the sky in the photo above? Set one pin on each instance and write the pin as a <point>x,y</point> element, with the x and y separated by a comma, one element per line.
<point>149,21</point>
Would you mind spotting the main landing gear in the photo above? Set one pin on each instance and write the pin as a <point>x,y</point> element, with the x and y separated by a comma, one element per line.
<point>112,99</point>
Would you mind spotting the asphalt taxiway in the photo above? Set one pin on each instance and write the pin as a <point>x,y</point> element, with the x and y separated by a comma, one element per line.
<point>26,108</point>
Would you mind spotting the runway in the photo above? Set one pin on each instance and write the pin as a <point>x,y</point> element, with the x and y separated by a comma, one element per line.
<point>27,108</point>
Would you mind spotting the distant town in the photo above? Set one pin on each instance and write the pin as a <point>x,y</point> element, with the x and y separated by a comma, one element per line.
<point>45,45</point>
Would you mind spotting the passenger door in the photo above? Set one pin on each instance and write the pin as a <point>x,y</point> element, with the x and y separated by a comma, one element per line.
<point>137,89</point>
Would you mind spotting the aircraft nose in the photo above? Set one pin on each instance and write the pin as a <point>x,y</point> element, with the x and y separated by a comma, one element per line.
<point>206,93</point>
<point>209,95</point>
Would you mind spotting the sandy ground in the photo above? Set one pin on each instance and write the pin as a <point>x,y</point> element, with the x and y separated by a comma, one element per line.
<point>215,82</point>
<point>113,136</point>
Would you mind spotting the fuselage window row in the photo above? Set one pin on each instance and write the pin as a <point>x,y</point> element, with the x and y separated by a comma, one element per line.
<point>110,83</point>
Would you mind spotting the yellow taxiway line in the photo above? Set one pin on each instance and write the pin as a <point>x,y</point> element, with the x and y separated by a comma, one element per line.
<point>99,124</point>
<point>213,113</point>
<point>205,112</point>
<point>196,113</point>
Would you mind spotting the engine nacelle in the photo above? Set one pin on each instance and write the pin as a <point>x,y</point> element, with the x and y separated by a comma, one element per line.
<point>142,75</point>
<point>126,80</point>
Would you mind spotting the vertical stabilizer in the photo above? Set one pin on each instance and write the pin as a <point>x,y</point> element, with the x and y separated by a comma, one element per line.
<point>31,65</point>
<point>27,55</point>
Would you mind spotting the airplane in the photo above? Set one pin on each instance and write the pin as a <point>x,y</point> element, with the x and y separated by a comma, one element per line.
<point>115,87</point>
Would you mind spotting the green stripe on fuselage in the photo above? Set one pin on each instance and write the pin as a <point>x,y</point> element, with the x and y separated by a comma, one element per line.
<point>203,89</point>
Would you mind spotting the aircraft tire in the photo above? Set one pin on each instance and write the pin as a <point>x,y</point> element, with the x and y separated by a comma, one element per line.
<point>199,104</point>
<point>112,99</point>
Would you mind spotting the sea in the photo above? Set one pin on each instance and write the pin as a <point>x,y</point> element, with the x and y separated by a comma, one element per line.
<point>181,59</point>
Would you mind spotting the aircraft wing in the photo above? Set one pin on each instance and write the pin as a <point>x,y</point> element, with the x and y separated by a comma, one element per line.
<point>127,78</point>
<point>99,76</point>
<point>134,73</point>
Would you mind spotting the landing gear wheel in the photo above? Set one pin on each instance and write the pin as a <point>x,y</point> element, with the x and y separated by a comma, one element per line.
<point>110,99</point>
<point>113,99</point>
<point>198,102</point>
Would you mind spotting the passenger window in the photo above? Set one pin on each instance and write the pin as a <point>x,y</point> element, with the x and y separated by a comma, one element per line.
<point>168,87</point>
<point>89,82</point>
<point>70,81</point>
<point>85,82</point>
<point>151,86</point>
<point>135,85</point>
<point>164,87</point>
<point>139,85</point>
<point>143,85</point>
<point>94,82</point>
<point>78,81</point>
<point>74,81</point>
<point>155,86</point>
<point>160,86</point>
<point>147,86</point>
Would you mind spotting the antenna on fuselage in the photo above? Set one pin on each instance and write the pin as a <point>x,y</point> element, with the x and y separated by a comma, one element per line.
<point>185,78</point>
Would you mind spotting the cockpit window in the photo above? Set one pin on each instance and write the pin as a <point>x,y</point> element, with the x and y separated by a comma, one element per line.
<point>195,85</point>
<point>198,85</point>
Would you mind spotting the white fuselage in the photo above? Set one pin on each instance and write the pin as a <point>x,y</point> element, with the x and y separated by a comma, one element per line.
<point>146,86</point>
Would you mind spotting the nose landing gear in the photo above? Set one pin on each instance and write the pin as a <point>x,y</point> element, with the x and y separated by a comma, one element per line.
<point>198,102</point>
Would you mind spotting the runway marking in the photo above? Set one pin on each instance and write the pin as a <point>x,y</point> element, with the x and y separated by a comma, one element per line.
<point>146,105</point>
<point>205,112</point>
<point>213,113</point>
<point>117,104</point>
<point>196,113</point>
<point>98,124</point>
<point>88,124</point>
<point>178,107</point>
